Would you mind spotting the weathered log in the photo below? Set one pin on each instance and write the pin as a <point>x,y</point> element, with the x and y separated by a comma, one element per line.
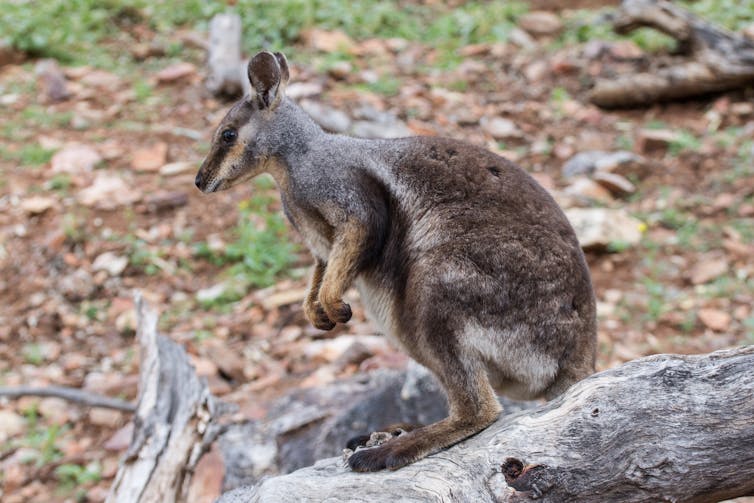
<point>226,69</point>
<point>718,60</point>
<point>661,428</point>
<point>174,424</point>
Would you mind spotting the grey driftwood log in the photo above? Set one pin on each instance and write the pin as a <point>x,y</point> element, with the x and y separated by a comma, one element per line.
<point>174,424</point>
<point>716,59</point>
<point>661,428</point>
<point>226,69</point>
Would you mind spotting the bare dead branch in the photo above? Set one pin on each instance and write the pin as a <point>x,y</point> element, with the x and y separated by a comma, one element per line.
<point>70,394</point>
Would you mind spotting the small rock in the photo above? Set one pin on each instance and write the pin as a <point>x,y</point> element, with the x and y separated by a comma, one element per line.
<point>714,319</point>
<point>100,78</point>
<point>53,80</point>
<point>108,418</point>
<point>108,192</point>
<point>620,162</point>
<point>365,129</point>
<point>298,90</point>
<point>113,264</point>
<point>327,41</point>
<point>616,184</point>
<point>536,71</point>
<point>353,355</point>
<point>519,37</point>
<point>121,439</point>
<point>584,188</point>
<point>540,23</point>
<point>340,70</point>
<point>36,205</point>
<point>11,424</point>
<point>75,159</point>
<point>175,72</point>
<point>55,410</point>
<point>708,269</point>
<point>166,200</point>
<point>655,140</point>
<point>329,118</point>
<point>599,227</point>
<point>500,128</point>
<point>77,286</point>
<point>212,293</point>
<point>229,361</point>
<point>151,158</point>
<point>284,298</point>
<point>177,168</point>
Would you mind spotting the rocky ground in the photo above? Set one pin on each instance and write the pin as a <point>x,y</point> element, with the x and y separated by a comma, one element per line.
<point>97,199</point>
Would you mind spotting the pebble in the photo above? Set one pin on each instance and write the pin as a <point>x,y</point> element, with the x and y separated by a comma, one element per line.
<point>500,128</point>
<point>11,424</point>
<point>75,159</point>
<point>177,168</point>
<point>175,72</point>
<point>599,227</point>
<point>151,158</point>
<point>540,23</point>
<point>55,410</point>
<point>714,319</point>
<point>620,162</point>
<point>109,418</point>
<point>108,192</point>
<point>708,269</point>
<point>616,184</point>
<point>113,264</point>
<point>36,205</point>
<point>77,286</point>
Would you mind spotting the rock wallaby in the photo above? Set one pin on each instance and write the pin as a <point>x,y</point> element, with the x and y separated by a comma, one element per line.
<point>458,255</point>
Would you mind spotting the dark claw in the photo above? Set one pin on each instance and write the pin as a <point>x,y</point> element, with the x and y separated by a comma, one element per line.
<point>357,441</point>
<point>392,455</point>
<point>322,321</point>
<point>342,313</point>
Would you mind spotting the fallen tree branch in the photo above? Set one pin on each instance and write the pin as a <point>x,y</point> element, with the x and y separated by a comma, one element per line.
<point>661,428</point>
<point>718,60</point>
<point>174,424</point>
<point>70,394</point>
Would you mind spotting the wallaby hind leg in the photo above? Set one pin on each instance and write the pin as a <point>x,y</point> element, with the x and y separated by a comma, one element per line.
<point>473,407</point>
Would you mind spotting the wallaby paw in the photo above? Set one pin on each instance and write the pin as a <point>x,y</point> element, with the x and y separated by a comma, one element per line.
<point>318,317</point>
<point>380,437</point>
<point>391,455</point>
<point>338,311</point>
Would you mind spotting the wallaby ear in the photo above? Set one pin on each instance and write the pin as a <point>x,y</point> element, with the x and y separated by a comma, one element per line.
<point>284,72</point>
<point>266,77</point>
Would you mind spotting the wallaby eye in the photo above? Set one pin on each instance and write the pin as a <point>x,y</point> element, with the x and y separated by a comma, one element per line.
<point>229,135</point>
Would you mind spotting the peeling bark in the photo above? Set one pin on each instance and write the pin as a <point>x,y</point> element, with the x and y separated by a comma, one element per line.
<point>174,424</point>
<point>718,60</point>
<point>661,428</point>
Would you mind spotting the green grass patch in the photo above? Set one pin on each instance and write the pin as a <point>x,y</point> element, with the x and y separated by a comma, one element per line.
<point>259,253</point>
<point>73,31</point>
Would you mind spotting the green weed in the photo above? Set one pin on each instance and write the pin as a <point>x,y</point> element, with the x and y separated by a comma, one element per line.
<point>259,253</point>
<point>71,475</point>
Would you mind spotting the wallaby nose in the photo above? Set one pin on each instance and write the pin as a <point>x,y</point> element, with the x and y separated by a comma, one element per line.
<point>198,180</point>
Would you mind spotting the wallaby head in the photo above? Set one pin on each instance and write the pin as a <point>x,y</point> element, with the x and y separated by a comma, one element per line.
<point>240,148</point>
